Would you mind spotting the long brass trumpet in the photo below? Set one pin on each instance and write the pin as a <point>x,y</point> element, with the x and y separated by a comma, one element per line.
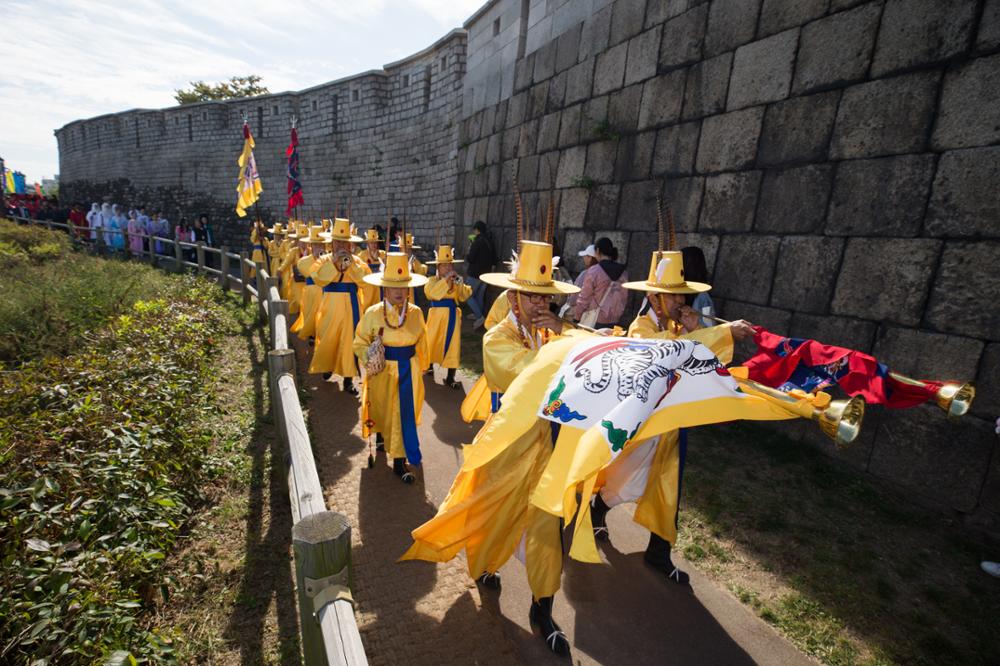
<point>840,420</point>
<point>954,398</point>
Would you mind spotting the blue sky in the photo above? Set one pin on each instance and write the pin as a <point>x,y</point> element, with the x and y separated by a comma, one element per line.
<point>80,58</point>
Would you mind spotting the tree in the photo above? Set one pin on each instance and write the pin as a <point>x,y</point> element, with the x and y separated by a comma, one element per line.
<point>234,88</point>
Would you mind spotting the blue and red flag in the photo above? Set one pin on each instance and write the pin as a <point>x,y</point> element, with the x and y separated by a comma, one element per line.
<point>295,197</point>
<point>797,363</point>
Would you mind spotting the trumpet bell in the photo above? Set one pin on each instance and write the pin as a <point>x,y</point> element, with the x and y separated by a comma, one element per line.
<point>955,399</point>
<point>841,420</point>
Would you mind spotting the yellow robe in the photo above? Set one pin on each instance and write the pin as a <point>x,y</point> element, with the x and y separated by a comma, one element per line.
<point>487,512</point>
<point>258,250</point>
<point>656,509</point>
<point>382,390</point>
<point>335,317</point>
<point>439,290</point>
<point>498,311</point>
<point>278,250</point>
<point>305,325</point>
<point>291,290</point>
<point>372,293</point>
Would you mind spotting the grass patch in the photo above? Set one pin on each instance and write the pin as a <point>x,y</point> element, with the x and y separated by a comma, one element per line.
<point>54,296</point>
<point>849,571</point>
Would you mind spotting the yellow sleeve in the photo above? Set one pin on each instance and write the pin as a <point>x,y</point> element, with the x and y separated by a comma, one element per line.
<point>504,358</point>
<point>463,293</point>
<point>357,271</point>
<point>305,265</point>
<point>436,289</point>
<point>290,257</point>
<point>717,338</point>
<point>422,351</point>
<point>419,267</point>
<point>365,333</point>
<point>498,311</point>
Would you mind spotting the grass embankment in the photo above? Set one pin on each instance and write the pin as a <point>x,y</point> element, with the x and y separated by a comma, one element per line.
<point>135,478</point>
<point>850,572</point>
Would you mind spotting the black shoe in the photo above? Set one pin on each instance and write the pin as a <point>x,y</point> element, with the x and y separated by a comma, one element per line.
<point>326,376</point>
<point>379,442</point>
<point>489,580</point>
<point>399,468</point>
<point>598,517</point>
<point>540,616</point>
<point>449,380</point>
<point>658,556</point>
<point>312,341</point>
<point>349,387</point>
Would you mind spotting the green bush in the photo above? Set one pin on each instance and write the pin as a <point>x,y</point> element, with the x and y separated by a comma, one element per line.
<point>48,306</point>
<point>101,459</point>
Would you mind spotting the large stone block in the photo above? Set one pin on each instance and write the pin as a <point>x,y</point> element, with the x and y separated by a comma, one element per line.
<point>638,206</point>
<point>568,48</point>
<point>989,27</point>
<point>601,161</point>
<point>707,87</point>
<point>775,320</point>
<point>806,273</point>
<point>626,19</point>
<point>548,132</point>
<point>840,331</point>
<point>596,31</point>
<point>548,169</point>
<point>729,202</point>
<point>989,500</point>
<point>602,207</point>
<point>731,23</point>
<point>545,62</point>
<point>837,49</point>
<point>762,70</point>
<point>571,166</point>
<point>969,111</point>
<point>529,138</point>
<point>798,130</point>
<point>778,15</point>
<point>624,107</point>
<point>937,459</point>
<point>516,109</point>
<point>661,99</point>
<point>729,141</point>
<point>885,279</point>
<point>964,200</point>
<point>927,355</point>
<point>707,243</point>
<point>579,81</point>
<point>643,56</point>
<point>573,208</point>
<point>794,200</point>
<point>966,294</point>
<point>635,155</point>
<point>745,267</point>
<point>556,93</point>
<point>683,197</point>
<point>921,32</point>
<point>609,73</point>
<point>987,402</point>
<point>676,147</point>
<point>569,125</point>
<point>538,97</point>
<point>660,11</point>
<point>880,197</point>
<point>683,37</point>
<point>885,117</point>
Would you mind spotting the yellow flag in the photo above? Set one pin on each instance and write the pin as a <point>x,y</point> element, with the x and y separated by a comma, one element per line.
<point>248,187</point>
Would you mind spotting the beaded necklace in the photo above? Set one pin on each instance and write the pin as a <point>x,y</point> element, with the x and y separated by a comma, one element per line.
<point>402,318</point>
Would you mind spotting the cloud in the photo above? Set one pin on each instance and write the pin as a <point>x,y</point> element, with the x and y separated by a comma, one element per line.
<point>81,58</point>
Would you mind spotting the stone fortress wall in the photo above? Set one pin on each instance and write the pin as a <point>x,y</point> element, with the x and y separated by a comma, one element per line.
<point>837,161</point>
<point>384,138</point>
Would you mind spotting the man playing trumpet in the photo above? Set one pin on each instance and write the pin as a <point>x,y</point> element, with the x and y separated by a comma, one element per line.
<point>445,292</point>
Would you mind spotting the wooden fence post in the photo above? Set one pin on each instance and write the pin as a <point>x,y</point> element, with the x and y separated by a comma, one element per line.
<point>279,362</point>
<point>261,288</point>
<point>244,278</point>
<point>200,253</point>
<point>321,544</point>
<point>224,268</point>
<point>178,256</point>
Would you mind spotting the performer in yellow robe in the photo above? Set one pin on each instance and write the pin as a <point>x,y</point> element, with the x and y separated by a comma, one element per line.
<point>275,247</point>
<point>373,258</point>
<point>500,517</point>
<point>305,325</point>
<point>650,472</point>
<point>257,241</point>
<point>394,396</point>
<point>446,292</point>
<point>498,311</point>
<point>340,276</point>
<point>291,284</point>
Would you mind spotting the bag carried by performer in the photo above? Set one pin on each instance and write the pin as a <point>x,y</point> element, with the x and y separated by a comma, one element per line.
<point>376,355</point>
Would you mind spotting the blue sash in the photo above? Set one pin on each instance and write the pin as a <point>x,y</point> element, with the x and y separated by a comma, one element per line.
<point>495,401</point>
<point>407,415</point>
<point>450,304</point>
<point>347,288</point>
<point>258,247</point>
<point>309,281</point>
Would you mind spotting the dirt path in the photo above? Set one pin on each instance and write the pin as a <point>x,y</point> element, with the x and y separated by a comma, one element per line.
<point>421,613</point>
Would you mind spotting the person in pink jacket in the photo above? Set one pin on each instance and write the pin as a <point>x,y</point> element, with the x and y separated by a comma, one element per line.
<point>602,286</point>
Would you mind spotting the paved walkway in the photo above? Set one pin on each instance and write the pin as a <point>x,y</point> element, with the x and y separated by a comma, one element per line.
<point>422,613</point>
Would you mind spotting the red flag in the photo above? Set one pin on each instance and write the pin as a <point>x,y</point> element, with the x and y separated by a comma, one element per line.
<point>295,197</point>
<point>790,363</point>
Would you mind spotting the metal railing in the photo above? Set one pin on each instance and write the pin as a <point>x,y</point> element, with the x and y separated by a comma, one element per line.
<point>321,539</point>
